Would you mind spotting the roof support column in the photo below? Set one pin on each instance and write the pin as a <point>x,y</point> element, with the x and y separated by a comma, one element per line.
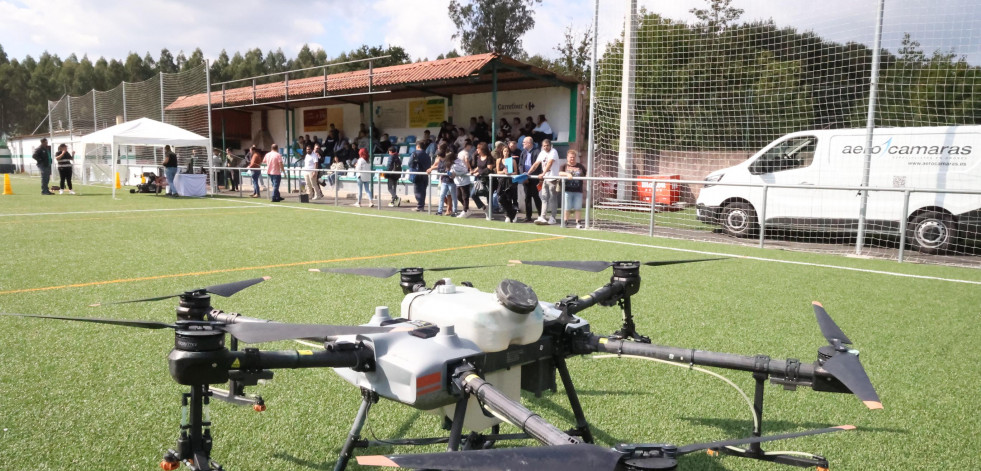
<point>494,105</point>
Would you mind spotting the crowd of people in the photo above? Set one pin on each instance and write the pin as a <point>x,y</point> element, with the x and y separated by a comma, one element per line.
<point>521,157</point>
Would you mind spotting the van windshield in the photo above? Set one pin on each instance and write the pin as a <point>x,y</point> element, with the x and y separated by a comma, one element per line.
<point>796,152</point>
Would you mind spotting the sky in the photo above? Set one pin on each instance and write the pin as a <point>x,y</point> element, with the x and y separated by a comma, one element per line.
<point>113,28</point>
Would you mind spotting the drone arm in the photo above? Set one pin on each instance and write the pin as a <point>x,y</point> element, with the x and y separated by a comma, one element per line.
<point>250,359</point>
<point>213,367</point>
<point>789,371</point>
<point>514,412</point>
<point>607,295</point>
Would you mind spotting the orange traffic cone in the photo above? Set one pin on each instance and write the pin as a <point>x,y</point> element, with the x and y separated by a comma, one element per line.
<point>118,186</point>
<point>6,185</point>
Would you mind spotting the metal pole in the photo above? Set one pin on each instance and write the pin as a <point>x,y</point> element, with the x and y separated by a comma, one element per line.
<point>124,102</point>
<point>490,196</point>
<point>902,225</point>
<point>371,116</point>
<point>627,96</point>
<point>762,216</point>
<point>562,203</point>
<point>429,196</point>
<point>870,129</point>
<point>494,102</point>
<point>161,74</point>
<point>71,124</point>
<point>588,197</point>
<point>210,151</point>
<point>650,229</point>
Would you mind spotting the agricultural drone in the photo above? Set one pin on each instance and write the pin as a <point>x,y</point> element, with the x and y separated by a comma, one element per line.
<point>468,354</point>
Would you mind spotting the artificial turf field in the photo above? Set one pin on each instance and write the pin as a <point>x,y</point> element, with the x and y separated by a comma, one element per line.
<point>85,396</point>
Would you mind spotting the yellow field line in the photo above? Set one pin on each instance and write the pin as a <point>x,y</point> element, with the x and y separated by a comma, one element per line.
<point>68,220</point>
<point>279,265</point>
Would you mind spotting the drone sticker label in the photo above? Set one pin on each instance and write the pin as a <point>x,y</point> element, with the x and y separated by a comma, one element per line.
<point>235,364</point>
<point>429,383</point>
<point>304,352</point>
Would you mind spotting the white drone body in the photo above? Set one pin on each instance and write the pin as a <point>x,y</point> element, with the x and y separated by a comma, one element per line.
<point>414,368</point>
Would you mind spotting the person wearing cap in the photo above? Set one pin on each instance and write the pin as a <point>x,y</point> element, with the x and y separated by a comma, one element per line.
<point>42,155</point>
<point>393,171</point>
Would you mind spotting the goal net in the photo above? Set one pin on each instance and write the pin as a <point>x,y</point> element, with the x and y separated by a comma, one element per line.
<point>689,88</point>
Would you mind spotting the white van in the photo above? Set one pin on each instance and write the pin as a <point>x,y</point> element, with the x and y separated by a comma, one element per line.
<point>912,158</point>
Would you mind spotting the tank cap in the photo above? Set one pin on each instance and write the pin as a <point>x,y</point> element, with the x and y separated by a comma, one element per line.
<point>517,296</point>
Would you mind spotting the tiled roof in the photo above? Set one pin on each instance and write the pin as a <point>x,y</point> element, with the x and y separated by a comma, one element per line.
<point>337,84</point>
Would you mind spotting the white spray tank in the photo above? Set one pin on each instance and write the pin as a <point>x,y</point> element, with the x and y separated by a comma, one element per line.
<point>509,316</point>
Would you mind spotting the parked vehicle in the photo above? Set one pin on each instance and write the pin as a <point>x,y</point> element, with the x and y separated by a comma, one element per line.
<point>928,158</point>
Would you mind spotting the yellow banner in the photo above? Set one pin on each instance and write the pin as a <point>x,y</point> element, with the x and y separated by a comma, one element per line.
<point>427,113</point>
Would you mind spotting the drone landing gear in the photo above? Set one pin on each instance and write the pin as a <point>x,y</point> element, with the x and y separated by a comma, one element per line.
<point>194,441</point>
<point>754,450</point>
<point>455,442</point>
<point>582,426</point>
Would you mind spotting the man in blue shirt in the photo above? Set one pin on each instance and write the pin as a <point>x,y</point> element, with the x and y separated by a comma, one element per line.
<point>420,162</point>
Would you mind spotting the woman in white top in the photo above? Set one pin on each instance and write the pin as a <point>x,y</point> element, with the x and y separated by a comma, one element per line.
<point>364,178</point>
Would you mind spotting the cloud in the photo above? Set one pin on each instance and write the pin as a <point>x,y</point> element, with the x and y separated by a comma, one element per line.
<point>422,28</point>
<point>113,28</point>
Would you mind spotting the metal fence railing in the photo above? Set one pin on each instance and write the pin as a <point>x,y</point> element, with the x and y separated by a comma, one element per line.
<point>905,224</point>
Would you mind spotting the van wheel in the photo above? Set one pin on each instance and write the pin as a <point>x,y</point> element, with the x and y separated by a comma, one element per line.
<point>931,232</point>
<point>739,220</point>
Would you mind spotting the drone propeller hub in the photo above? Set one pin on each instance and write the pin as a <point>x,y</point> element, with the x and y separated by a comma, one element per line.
<point>194,306</point>
<point>627,272</point>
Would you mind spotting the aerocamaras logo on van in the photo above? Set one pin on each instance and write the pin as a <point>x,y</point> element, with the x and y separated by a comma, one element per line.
<point>887,148</point>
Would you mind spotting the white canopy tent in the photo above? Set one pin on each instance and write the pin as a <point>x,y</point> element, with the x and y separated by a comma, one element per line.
<point>143,132</point>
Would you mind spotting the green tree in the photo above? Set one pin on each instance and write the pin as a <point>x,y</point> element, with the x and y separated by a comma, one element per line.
<point>221,68</point>
<point>717,17</point>
<point>575,53</point>
<point>397,55</point>
<point>166,62</point>
<point>196,60</point>
<point>492,25</point>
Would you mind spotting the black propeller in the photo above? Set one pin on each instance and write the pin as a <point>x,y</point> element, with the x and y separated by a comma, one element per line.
<point>248,332</point>
<point>844,364</point>
<point>573,457</point>
<point>596,266</point>
<point>384,272</point>
<point>224,290</point>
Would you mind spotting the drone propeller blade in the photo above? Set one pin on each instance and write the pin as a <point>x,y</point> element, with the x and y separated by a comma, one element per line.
<point>143,300</point>
<point>828,327</point>
<point>582,457</point>
<point>591,266</point>
<point>379,272</point>
<point>457,268</point>
<point>225,290</point>
<point>121,322</point>
<point>249,332</point>
<point>847,368</point>
<point>229,289</point>
<point>675,262</point>
<point>769,438</point>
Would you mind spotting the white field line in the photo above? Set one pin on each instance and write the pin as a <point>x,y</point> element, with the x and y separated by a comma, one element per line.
<point>631,244</point>
<point>125,211</point>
